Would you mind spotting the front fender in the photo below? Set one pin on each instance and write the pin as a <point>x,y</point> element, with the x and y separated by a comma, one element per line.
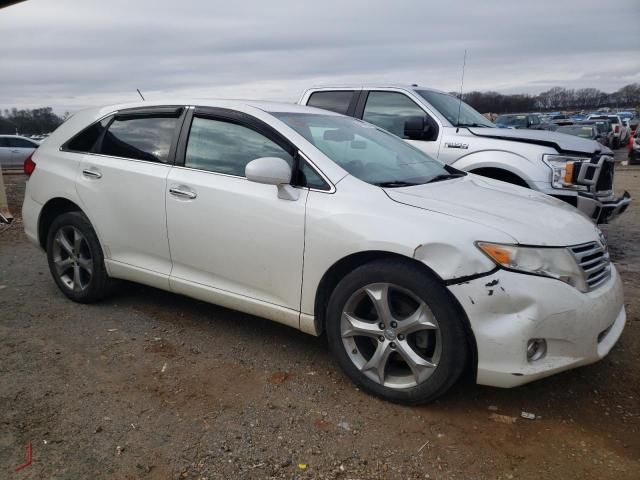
<point>530,171</point>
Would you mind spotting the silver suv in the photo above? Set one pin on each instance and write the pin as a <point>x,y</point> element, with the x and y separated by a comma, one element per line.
<point>576,170</point>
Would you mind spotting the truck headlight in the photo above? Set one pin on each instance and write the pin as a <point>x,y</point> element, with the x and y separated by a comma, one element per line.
<point>551,262</point>
<point>565,171</point>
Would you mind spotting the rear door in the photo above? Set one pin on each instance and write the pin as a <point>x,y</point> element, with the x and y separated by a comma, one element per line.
<point>231,237</point>
<point>122,185</point>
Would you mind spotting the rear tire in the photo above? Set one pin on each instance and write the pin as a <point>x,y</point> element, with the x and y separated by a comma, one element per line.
<point>395,331</point>
<point>76,261</point>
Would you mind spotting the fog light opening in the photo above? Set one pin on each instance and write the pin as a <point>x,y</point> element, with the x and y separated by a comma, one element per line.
<point>536,349</point>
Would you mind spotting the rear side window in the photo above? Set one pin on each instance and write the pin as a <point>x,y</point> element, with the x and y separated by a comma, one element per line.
<point>4,142</point>
<point>140,138</point>
<point>86,140</point>
<point>224,147</point>
<point>335,101</point>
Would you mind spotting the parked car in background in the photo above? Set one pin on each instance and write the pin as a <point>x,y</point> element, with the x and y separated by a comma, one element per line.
<point>633,128</point>
<point>605,129</point>
<point>415,270</point>
<point>560,119</point>
<point>573,169</point>
<point>634,148</point>
<point>616,127</point>
<point>584,131</point>
<point>523,120</point>
<point>14,150</point>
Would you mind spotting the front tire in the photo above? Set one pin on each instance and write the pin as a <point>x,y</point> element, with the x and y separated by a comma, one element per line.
<point>396,333</point>
<point>75,258</point>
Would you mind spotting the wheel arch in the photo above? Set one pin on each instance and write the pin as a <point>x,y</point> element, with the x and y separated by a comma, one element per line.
<point>347,264</point>
<point>52,209</point>
<point>502,174</point>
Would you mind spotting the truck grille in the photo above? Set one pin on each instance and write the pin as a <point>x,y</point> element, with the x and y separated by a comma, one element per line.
<point>594,261</point>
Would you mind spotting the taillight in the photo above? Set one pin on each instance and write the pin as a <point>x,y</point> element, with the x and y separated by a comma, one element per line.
<point>617,129</point>
<point>29,166</point>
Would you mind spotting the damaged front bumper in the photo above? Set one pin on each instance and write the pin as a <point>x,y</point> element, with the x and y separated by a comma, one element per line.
<point>508,311</point>
<point>603,211</point>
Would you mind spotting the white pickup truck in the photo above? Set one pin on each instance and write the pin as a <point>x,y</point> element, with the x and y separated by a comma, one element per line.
<point>576,170</point>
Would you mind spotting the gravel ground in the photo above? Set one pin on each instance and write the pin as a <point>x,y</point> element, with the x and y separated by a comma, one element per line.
<point>153,385</point>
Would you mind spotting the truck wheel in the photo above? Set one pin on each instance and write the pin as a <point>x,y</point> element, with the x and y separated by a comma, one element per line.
<point>395,332</point>
<point>76,260</point>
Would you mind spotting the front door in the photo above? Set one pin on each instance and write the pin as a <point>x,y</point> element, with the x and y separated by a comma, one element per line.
<point>231,238</point>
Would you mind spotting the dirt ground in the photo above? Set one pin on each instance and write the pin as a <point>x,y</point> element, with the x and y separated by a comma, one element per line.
<point>153,385</point>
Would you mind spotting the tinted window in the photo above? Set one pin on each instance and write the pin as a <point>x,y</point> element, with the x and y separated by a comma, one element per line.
<point>335,101</point>
<point>4,142</point>
<point>224,147</point>
<point>391,110</point>
<point>141,138</point>
<point>22,143</point>
<point>85,140</point>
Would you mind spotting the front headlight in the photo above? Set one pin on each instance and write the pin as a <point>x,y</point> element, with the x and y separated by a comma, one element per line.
<point>565,171</point>
<point>551,262</point>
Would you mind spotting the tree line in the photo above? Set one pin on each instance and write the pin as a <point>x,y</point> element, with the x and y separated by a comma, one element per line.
<point>43,120</point>
<point>30,121</point>
<point>556,98</point>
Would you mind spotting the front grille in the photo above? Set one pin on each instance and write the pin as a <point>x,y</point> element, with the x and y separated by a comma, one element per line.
<point>594,261</point>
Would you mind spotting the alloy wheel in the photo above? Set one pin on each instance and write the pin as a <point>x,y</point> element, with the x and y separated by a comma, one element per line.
<point>72,258</point>
<point>391,335</point>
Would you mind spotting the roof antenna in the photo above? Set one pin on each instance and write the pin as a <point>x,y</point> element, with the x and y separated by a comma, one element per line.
<point>464,63</point>
<point>138,90</point>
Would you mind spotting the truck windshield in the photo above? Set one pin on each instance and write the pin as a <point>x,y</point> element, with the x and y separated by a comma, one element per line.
<point>366,151</point>
<point>448,106</point>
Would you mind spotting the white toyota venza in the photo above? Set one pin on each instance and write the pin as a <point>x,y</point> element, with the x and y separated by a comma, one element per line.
<point>413,269</point>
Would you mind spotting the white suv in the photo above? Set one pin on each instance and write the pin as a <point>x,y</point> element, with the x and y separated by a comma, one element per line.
<point>415,270</point>
<point>576,170</point>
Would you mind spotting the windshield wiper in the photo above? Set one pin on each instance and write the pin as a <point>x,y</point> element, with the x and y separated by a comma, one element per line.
<point>396,183</point>
<point>445,176</point>
<point>479,125</point>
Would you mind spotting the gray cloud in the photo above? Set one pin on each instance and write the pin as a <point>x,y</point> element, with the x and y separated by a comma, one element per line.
<point>70,54</point>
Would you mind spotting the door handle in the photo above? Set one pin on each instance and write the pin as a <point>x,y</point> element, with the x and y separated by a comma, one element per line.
<point>182,192</point>
<point>15,150</point>
<point>91,173</point>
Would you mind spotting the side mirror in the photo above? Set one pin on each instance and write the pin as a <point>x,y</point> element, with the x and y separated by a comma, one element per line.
<point>272,171</point>
<point>416,128</point>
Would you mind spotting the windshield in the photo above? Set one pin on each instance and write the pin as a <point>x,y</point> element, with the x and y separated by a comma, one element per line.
<point>365,151</point>
<point>584,132</point>
<point>512,121</point>
<point>448,106</point>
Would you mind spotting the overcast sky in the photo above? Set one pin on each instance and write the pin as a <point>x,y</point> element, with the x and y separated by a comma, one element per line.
<point>69,54</point>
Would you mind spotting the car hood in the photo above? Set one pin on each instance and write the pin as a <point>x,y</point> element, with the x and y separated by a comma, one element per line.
<point>529,217</point>
<point>562,142</point>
